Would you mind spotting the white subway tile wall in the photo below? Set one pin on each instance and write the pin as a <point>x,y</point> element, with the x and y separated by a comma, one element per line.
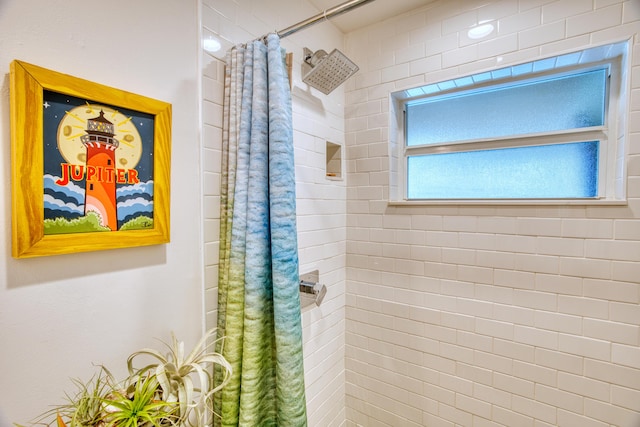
<point>506,316</point>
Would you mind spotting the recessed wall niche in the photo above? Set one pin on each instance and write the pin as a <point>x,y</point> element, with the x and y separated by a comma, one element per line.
<point>334,161</point>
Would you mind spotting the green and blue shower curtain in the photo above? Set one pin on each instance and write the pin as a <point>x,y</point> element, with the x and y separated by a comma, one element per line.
<point>258,297</point>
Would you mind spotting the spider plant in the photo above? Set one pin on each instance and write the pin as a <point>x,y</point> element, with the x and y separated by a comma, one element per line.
<point>176,371</point>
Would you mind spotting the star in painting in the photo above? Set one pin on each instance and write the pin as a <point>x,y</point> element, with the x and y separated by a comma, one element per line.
<point>46,104</point>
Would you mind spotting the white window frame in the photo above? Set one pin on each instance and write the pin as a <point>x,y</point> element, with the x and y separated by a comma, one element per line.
<point>612,136</point>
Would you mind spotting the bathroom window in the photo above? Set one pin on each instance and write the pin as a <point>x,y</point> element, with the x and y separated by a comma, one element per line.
<point>545,131</point>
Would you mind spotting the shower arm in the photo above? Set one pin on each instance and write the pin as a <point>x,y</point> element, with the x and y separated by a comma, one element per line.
<point>328,13</point>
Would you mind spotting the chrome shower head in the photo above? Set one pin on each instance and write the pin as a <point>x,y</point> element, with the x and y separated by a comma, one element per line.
<point>326,72</point>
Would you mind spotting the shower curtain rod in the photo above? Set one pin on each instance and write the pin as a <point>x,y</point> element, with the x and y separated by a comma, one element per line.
<point>328,13</point>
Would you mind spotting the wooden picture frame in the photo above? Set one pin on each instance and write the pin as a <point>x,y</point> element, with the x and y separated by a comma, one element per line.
<point>70,136</point>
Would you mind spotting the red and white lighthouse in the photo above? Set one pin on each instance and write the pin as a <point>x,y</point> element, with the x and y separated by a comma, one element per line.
<point>100,182</point>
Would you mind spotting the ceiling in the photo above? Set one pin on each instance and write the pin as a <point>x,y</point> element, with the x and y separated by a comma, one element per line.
<point>368,13</point>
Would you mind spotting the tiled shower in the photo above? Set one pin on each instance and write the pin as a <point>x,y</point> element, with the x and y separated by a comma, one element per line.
<point>445,314</point>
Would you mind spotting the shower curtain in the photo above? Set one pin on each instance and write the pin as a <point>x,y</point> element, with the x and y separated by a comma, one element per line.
<point>258,296</point>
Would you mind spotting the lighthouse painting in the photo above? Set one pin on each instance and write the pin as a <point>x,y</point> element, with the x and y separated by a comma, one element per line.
<point>98,166</point>
<point>90,165</point>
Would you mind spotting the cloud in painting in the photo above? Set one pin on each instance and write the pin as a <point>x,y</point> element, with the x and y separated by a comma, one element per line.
<point>62,201</point>
<point>128,191</point>
<point>54,204</point>
<point>135,200</point>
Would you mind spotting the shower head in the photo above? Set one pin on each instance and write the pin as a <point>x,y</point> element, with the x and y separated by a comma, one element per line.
<point>326,72</point>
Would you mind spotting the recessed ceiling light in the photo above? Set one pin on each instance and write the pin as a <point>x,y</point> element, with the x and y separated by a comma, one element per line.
<point>211,45</point>
<point>480,31</point>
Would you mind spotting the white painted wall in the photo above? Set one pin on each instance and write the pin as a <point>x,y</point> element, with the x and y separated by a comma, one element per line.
<point>487,315</point>
<point>59,315</point>
<point>321,202</point>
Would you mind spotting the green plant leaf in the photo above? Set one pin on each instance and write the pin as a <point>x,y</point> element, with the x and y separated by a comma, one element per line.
<point>151,352</point>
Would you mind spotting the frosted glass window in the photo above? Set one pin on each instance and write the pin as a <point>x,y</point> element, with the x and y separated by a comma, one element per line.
<point>547,131</point>
<point>546,171</point>
<point>535,106</point>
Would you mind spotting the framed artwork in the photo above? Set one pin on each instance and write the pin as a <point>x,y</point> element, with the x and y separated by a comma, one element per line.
<point>90,165</point>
